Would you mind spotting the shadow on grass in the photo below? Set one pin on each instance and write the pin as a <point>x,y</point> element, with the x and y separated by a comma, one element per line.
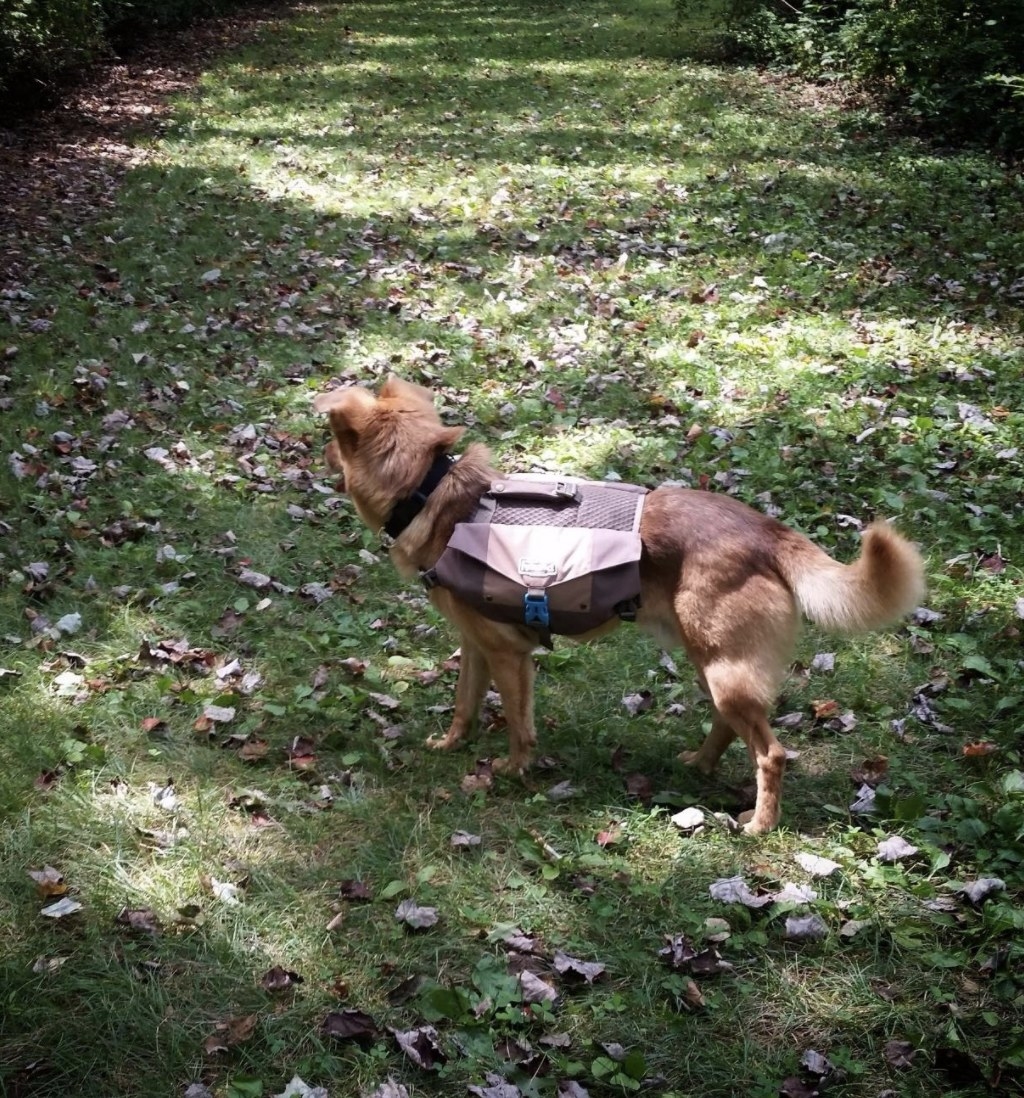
<point>305,292</point>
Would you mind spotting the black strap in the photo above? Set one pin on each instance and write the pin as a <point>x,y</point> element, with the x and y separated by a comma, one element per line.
<point>405,510</point>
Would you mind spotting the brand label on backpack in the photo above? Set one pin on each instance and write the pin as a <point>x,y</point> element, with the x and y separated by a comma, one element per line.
<point>529,567</point>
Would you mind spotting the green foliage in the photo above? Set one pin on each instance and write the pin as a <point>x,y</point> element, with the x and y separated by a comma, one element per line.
<point>128,20</point>
<point>42,39</point>
<point>957,65</point>
<point>43,43</point>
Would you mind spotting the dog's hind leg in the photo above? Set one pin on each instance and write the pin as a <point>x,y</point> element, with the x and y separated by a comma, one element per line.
<point>740,709</point>
<point>474,676</point>
<point>706,757</point>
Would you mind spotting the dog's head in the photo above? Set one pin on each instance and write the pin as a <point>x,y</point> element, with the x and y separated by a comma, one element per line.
<point>383,445</point>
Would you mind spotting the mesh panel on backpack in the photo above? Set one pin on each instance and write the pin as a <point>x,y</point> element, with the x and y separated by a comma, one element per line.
<point>597,510</point>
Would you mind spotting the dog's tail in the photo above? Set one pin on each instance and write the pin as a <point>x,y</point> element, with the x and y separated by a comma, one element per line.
<point>884,583</point>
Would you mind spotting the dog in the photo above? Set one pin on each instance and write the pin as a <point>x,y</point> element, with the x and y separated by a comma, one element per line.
<point>724,582</point>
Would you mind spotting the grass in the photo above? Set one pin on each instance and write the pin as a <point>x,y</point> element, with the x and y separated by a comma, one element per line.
<point>605,258</point>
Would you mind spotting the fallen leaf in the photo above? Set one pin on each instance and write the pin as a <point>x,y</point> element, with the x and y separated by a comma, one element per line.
<point>871,771</point>
<point>572,966</point>
<point>496,1087</point>
<point>569,1088</point>
<point>534,989</point>
<point>563,791</point>
<point>385,701</point>
<point>899,1054</point>
<point>980,749</point>
<point>795,1087</point>
<point>227,1034</point>
<point>142,919</point>
<point>301,753</point>
<point>689,819</point>
<point>296,1088</point>
<point>49,881</point>
<point>795,894</point>
<point>419,918</point>
<point>225,891</point>
<point>69,624</point>
<point>279,979</point>
<point>63,907</point>
<point>641,787</point>
<point>355,891</point>
<point>257,580</point>
<point>864,803</point>
<point>350,1025</point>
<point>253,749</point>
<point>390,1089</point>
<point>815,865</point>
<point>709,962</point>
<point>677,952</point>
<point>734,890</point>
<point>816,1063</point>
<point>481,780</point>
<point>806,928</point>
<point>421,1046</point>
<point>895,849</point>
<point>48,965</point>
<point>717,930</point>
<point>982,888</point>
<point>636,704</point>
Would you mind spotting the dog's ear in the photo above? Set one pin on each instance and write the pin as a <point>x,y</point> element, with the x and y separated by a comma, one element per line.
<point>324,402</point>
<point>348,410</point>
<point>395,388</point>
<point>446,439</point>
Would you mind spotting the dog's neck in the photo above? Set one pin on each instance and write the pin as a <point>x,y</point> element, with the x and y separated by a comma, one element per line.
<point>451,501</point>
<point>405,510</point>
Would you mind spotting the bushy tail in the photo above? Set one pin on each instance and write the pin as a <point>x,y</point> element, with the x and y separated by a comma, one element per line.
<point>883,584</point>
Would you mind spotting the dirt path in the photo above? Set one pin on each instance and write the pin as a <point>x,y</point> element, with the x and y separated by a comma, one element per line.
<point>61,165</point>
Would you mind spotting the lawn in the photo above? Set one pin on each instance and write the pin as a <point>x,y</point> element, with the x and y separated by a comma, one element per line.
<point>226,858</point>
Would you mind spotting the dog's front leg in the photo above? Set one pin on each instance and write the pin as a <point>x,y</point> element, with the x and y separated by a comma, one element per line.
<point>513,673</point>
<point>469,692</point>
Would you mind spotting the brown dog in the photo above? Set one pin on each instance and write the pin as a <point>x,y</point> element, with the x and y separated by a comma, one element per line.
<point>719,579</point>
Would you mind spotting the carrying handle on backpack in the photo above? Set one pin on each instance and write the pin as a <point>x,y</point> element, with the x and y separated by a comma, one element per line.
<point>557,489</point>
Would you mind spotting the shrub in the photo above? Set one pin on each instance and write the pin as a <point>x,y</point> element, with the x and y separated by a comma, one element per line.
<point>956,64</point>
<point>41,41</point>
<point>44,42</point>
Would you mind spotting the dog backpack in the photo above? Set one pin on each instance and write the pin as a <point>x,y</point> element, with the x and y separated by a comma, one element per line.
<point>557,554</point>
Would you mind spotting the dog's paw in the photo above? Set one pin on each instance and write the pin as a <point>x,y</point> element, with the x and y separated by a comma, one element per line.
<point>750,825</point>
<point>692,758</point>
<point>445,742</point>
<point>507,766</point>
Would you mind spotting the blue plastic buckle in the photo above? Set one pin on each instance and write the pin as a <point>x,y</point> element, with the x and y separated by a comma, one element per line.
<point>537,611</point>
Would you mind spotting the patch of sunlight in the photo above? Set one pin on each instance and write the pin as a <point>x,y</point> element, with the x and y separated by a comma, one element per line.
<point>593,447</point>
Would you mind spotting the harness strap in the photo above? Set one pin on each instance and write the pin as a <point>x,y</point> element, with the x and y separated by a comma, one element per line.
<point>405,510</point>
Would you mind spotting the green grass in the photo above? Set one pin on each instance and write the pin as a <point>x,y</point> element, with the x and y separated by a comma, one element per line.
<point>591,248</point>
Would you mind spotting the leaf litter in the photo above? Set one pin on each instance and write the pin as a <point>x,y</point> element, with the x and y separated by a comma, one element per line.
<point>175,456</point>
